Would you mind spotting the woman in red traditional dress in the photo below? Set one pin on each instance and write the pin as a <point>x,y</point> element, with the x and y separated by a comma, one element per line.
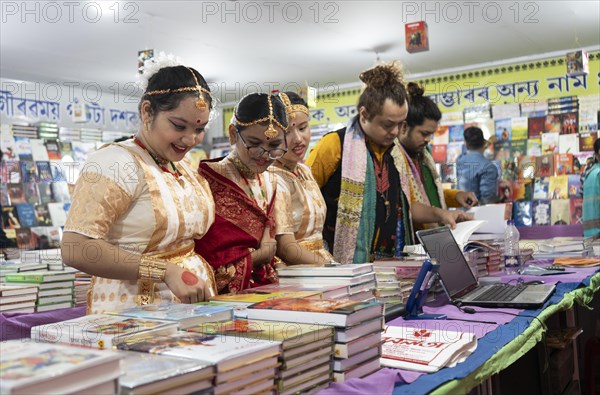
<point>241,245</point>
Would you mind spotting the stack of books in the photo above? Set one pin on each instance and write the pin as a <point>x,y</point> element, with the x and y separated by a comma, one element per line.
<point>358,328</point>
<point>69,134</point>
<point>307,350</point>
<point>55,288</point>
<point>100,331</point>
<point>360,278</point>
<point>241,300</point>
<point>17,266</point>
<point>158,374</point>
<point>47,130</point>
<point>395,278</point>
<point>17,298</point>
<point>561,247</point>
<point>241,366</point>
<point>36,368</point>
<point>185,315</point>
<point>91,135</point>
<point>24,130</point>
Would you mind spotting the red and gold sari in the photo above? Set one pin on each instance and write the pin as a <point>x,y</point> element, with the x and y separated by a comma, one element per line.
<point>238,227</point>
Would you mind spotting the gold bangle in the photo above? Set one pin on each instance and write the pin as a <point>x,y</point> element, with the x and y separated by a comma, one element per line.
<point>152,269</point>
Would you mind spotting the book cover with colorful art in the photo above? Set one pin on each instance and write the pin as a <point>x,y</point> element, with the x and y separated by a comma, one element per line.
<point>558,187</point>
<point>534,146</point>
<point>519,128</point>
<point>504,129</point>
<point>563,164</point>
<point>541,212</point>
<point>576,211</point>
<point>536,126</point>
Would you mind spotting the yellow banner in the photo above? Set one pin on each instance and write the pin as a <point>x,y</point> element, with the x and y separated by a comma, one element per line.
<point>527,82</point>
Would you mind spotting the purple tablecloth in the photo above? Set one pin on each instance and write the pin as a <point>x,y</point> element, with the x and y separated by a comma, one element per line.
<point>485,321</point>
<point>18,326</point>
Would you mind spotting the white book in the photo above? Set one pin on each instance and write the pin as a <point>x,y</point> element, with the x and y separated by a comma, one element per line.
<point>99,330</point>
<point>149,373</point>
<point>329,280</point>
<point>38,150</point>
<point>344,364</point>
<point>346,350</point>
<point>358,371</point>
<point>226,352</point>
<point>43,368</point>
<point>425,350</point>
<point>334,270</point>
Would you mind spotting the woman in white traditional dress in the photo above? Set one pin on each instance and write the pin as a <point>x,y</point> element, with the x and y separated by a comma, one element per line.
<point>297,184</point>
<point>138,207</point>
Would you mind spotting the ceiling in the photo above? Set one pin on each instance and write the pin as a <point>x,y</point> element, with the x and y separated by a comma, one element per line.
<point>242,46</point>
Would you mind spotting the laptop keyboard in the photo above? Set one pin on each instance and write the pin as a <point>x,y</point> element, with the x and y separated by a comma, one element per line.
<point>500,292</point>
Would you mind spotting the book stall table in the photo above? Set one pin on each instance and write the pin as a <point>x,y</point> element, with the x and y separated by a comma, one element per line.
<point>503,339</point>
<point>18,326</point>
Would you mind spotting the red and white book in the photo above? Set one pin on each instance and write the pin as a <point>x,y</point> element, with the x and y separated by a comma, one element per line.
<point>424,350</point>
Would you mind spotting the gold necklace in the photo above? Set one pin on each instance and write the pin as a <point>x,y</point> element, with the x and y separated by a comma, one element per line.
<point>244,170</point>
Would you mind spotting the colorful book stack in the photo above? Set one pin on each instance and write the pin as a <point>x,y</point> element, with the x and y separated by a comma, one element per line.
<point>158,374</point>
<point>55,288</point>
<point>100,331</point>
<point>360,278</point>
<point>17,298</point>
<point>42,368</point>
<point>395,278</point>
<point>307,350</point>
<point>358,328</point>
<point>241,366</point>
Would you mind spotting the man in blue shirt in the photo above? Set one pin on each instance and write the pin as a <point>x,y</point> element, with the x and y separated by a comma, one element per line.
<point>474,172</point>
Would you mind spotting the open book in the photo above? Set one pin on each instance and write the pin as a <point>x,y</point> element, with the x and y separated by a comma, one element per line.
<point>494,215</point>
<point>461,234</point>
<point>424,350</point>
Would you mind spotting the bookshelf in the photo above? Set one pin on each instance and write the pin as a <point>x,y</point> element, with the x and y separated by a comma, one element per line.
<point>541,151</point>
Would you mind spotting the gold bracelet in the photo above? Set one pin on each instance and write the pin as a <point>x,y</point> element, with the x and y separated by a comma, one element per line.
<point>152,269</point>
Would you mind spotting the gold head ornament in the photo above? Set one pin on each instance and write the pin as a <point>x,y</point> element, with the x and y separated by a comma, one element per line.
<point>290,108</point>
<point>201,103</point>
<point>271,132</point>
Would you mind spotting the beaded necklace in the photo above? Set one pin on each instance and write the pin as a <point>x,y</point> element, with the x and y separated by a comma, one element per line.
<point>160,162</point>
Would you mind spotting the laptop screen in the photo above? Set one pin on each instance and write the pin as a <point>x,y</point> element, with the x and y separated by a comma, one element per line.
<point>455,272</point>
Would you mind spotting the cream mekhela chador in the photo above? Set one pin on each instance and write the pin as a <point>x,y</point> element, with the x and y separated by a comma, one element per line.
<point>138,207</point>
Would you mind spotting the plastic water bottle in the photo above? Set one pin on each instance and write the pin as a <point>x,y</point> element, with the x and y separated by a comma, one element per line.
<point>511,248</point>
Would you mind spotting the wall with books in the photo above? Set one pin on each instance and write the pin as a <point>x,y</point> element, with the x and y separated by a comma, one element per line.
<point>47,131</point>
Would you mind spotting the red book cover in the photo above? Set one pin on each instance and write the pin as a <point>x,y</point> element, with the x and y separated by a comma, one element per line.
<point>570,123</point>
<point>438,152</point>
<point>535,126</point>
<point>576,211</point>
<point>417,37</point>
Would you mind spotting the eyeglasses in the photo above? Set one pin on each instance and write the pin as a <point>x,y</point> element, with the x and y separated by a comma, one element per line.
<point>256,151</point>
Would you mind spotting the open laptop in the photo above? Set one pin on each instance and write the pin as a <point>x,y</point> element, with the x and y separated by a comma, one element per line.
<point>460,284</point>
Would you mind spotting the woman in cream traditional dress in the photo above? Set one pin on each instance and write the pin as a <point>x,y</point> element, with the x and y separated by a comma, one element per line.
<point>297,184</point>
<point>138,207</point>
